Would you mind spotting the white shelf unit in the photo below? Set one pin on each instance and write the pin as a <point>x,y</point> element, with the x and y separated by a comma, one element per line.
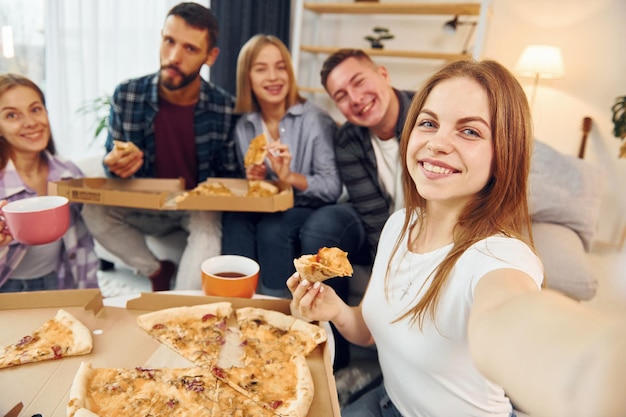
<point>478,11</point>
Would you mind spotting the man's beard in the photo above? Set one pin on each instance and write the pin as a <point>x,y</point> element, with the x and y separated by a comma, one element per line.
<point>186,79</point>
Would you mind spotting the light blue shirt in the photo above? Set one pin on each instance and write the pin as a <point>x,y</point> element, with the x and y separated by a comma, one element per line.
<point>308,131</point>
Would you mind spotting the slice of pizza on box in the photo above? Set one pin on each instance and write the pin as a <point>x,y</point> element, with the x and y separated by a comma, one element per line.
<point>61,336</point>
<point>195,332</point>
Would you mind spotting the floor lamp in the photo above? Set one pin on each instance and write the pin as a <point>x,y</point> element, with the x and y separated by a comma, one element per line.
<point>540,61</point>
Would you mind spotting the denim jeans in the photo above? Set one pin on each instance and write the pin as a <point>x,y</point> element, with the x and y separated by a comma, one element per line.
<point>376,403</point>
<point>45,283</point>
<point>272,239</point>
<point>122,231</point>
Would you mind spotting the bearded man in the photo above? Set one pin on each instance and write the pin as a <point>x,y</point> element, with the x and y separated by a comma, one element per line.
<point>177,125</point>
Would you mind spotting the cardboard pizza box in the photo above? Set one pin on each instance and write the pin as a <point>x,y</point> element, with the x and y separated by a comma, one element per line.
<point>239,202</point>
<point>160,194</point>
<point>148,193</point>
<point>43,387</point>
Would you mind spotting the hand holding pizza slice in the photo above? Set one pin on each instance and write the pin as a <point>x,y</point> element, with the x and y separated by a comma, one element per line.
<point>325,264</point>
<point>125,158</point>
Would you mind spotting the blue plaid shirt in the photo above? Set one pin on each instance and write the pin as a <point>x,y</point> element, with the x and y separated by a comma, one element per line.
<point>78,265</point>
<point>135,104</point>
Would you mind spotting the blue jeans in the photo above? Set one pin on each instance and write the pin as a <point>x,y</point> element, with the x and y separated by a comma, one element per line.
<point>45,283</point>
<point>376,403</point>
<point>272,239</point>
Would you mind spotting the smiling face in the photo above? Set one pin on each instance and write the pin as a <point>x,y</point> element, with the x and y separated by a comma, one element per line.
<point>450,149</point>
<point>184,50</point>
<point>24,120</point>
<point>361,91</point>
<point>269,78</point>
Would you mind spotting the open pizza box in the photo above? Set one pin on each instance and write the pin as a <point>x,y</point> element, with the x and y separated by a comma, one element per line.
<point>160,194</point>
<point>118,341</point>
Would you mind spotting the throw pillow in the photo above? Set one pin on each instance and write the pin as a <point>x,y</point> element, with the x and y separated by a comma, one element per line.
<point>566,268</point>
<point>565,190</point>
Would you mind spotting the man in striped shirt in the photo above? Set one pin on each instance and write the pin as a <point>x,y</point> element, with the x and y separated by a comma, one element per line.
<point>367,155</point>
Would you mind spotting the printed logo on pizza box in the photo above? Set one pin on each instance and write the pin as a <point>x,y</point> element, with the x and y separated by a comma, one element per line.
<point>86,196</point>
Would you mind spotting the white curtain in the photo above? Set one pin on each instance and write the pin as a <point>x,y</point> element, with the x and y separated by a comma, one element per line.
<point>91,46</point>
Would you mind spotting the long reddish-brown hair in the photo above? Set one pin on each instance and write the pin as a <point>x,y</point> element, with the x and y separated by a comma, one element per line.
<point>501,207</point>
<point>9,81</point>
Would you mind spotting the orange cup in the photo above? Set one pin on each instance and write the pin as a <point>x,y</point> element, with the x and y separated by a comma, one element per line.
<point>230,276</point>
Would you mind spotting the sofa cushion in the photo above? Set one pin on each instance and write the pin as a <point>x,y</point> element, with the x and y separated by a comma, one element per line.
<point>565,190</point>
<point>566,267</point>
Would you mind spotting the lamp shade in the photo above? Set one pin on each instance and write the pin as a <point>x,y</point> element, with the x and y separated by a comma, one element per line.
<point>541,61</point>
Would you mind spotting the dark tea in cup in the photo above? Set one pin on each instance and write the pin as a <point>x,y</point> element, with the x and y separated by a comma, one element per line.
<point>230,276</point>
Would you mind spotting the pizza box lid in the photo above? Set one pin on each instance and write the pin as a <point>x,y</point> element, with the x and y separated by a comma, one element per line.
<point>160,194</point>
<point>148,193</point>
<point>44,387</point>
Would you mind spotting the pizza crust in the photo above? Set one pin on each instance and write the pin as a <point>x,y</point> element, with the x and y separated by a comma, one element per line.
<point>327,263</point>
<point>77,406</point>
<point>83,342</point>
<point>149,320</point>
<point>275,318</point>
<point>304,391</point>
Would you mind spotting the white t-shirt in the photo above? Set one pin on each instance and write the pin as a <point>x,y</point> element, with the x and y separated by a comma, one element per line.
<point>431,373</point>
<point>389,169</point>
<point>39,260</point>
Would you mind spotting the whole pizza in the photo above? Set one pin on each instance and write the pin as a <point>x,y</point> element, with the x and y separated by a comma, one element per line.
<point>248,362</point>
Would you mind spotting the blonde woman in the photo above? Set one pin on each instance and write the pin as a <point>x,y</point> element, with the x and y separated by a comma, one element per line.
<point>27,163</point>
<point>454,304</point>
<point>300,153</point>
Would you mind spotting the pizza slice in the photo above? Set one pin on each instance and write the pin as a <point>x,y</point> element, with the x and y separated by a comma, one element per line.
<point>121,148</point>
<point>256,153</point>
<point>124,147</point>
<point>111,392</point>
<point>258,188</point>
<point>271,336</point>
<point>284,388</point>
<point>61,336</point>
<point>195,332</point>
<point>326,263</point>
<point>229,402</point>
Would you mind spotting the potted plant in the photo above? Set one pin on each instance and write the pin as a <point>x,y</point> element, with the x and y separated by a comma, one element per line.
<point>99,108</point>
<point>381,35</point>
<point>619,122</point>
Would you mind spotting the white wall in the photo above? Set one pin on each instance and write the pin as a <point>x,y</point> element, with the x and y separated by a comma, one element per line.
<point>591,35</point>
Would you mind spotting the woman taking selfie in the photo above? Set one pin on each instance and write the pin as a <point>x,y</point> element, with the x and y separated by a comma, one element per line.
<point>27,163</point>
<point>454,304</point>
